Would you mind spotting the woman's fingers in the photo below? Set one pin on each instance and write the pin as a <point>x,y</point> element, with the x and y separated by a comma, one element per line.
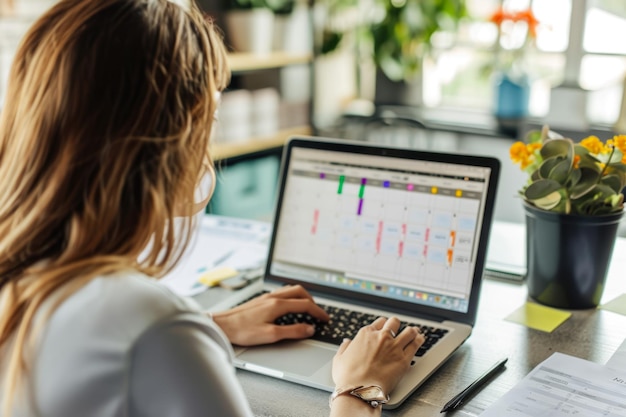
<point>291,291</point>
<point>378,323</point>
<point>288,299</point>
<point>343,346</point>
<point>293,331</point>
<point>380,352</point>
<point>298,305</point>
<point>410,339</point>
<point>392,325</point>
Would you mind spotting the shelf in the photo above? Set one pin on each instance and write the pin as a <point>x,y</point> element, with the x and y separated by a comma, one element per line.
<point>230,150</point>
<point>241,62</point>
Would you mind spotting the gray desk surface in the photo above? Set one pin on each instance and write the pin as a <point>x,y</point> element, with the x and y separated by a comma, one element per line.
<point>591,334</point>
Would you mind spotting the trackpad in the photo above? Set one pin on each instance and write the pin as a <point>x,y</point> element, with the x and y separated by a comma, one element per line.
<point>297,358</point>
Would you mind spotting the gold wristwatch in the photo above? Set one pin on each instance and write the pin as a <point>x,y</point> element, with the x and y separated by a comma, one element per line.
<point>371,394</point>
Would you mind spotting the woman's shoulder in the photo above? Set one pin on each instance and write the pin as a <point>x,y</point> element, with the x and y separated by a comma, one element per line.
<point>112,329</point>
<point>119,306</point>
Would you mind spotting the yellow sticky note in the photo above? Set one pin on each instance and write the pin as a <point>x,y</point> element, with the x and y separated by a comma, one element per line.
<point>616,305</point>
<point>538,317</point>
<point>215,276</point>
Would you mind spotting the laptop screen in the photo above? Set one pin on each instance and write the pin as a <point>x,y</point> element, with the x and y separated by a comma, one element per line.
<point>402,229</point>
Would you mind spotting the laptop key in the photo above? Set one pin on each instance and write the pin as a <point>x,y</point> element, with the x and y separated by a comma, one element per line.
<point>346,323</point>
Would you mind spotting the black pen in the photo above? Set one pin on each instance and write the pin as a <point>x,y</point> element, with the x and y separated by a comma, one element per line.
<point>473,387</point>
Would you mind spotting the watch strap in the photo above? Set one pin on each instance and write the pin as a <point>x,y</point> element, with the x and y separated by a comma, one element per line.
<point>355,392</point>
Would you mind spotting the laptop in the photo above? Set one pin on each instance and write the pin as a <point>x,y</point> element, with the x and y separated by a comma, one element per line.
<point>380,231</point>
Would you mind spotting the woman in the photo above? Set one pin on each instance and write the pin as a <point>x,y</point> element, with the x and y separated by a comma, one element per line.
<point>103,151</point>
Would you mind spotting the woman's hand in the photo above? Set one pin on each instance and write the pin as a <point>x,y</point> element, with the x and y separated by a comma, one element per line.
<point>252,323</point>
<point>378,355</point>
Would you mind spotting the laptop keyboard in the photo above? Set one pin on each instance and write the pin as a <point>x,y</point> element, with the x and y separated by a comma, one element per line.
<point>346,323</point>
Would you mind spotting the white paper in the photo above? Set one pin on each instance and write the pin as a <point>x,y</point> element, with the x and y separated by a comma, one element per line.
<point>567,386</point>
<point>618,360</point>
<point>219,242</point>
<point>507,249</point>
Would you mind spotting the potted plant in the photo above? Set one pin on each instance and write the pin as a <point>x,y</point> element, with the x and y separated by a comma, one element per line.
<point>573,202</point>
<point>517,32</point>
<point>250,23</point>
<point>396,35</point>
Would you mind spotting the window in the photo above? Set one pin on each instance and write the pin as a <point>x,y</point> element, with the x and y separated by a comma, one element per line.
<point>461,74</point>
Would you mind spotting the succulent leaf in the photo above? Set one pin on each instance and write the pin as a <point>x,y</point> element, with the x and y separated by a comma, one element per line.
<point>547,166</point>
<point>535,176</point>
<point>580,150</point>
<point>550,201</point>
<point>542,188</point>
<point>560,172</point>
<point>612,158</point>
<point>558,147</point>
<point>588,180</point>
<point>612,181</point>
<point>589,161</point>
<point>574,177</point>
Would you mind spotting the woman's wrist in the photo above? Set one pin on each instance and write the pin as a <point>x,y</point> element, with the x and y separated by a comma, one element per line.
<point>348,405</point>
<point>366,400</point>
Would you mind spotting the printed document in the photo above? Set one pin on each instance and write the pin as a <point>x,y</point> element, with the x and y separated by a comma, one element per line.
<point>564,385</point>
<point>220,241</point>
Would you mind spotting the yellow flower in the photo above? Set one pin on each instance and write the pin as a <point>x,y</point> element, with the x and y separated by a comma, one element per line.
<point>593,144</point>
<point>620,142</point>
<point>517,151</point>
<point>520,154</point>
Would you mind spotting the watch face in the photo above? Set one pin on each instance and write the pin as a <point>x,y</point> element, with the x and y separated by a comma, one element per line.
<point>370,393</point>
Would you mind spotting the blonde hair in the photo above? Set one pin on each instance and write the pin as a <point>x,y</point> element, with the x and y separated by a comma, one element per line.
<point>103,139</point>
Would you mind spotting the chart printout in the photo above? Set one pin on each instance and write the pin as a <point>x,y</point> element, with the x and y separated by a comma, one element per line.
<point>410,229</point>
<point>565,386</point>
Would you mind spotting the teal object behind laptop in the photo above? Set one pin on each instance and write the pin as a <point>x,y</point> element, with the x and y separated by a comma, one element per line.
<point>382,231</point>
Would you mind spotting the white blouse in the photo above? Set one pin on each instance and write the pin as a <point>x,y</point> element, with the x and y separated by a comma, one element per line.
<point>127,346</point>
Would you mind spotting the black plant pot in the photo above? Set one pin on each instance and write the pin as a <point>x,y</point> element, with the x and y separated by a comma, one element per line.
<point>568,257</point>
<point>398,93</point>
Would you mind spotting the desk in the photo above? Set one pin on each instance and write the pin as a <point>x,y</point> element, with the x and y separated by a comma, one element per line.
<point>590,334</point>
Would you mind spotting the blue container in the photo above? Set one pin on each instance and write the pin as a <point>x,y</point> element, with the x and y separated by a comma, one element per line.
<point>511,96</point>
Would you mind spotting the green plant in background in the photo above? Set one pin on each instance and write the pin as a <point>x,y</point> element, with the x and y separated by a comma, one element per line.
<point>403,37</point>
<point>397,33</point>
<point>585,178</point>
